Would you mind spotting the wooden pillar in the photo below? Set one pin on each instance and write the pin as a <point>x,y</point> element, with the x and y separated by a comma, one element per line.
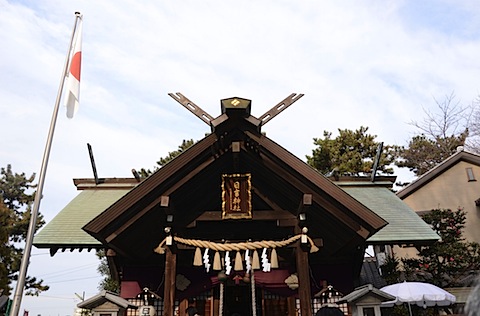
<point>303,272</point>
<point>169,285</point>
<point>182,307</point>
<point>292,306</point>
<point>301,256</point>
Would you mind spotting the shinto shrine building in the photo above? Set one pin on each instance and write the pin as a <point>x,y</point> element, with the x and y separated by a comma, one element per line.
<point>236,221</point>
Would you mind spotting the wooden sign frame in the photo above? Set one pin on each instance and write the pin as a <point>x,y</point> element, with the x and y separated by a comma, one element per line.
<point>236,196</point>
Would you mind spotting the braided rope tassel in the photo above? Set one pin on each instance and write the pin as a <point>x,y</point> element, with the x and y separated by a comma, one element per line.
<point>236,246</point>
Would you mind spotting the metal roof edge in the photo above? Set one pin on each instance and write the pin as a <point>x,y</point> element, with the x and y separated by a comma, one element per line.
<point>105,183</point>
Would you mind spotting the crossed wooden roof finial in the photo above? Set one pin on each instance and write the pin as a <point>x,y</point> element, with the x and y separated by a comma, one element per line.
<point>207,118</point>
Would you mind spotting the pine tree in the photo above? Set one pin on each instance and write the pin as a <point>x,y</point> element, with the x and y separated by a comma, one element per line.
<point>171,155</point>
<point>108,283</point>
<point>423,153</point>
<point>351,152</point>
<point>451,261</point>
<point>15,210</point>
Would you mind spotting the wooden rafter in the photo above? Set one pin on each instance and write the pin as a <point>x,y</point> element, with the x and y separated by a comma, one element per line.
<point>265,198</point>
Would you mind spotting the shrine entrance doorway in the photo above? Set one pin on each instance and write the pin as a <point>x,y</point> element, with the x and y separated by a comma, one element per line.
<point>237,301</point>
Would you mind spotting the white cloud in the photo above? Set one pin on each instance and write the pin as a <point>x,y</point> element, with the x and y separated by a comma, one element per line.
<point>359,63</point>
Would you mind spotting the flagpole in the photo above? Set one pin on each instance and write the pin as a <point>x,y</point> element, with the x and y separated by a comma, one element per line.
<point>17,298</point>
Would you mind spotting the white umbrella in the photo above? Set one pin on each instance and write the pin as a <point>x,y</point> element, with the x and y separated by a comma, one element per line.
<point>422,294</point>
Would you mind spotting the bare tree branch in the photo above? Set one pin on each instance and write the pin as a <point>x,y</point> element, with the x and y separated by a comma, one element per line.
<point>451,118</point>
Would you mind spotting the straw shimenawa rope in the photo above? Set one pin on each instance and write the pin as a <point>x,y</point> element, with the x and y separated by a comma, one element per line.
<point>251,245</point>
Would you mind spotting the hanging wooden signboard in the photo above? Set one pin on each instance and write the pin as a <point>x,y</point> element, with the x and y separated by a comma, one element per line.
<point>236,196</point>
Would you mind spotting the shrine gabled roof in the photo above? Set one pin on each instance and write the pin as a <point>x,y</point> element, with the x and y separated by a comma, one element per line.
<point>152,184</point>
<point>365,291</point>
<point>192,183</point>
<point>64,231</point>
<point>106,297</point>
<point>404,225</point>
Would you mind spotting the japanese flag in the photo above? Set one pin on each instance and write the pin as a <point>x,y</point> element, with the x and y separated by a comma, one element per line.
<point>73,76</point>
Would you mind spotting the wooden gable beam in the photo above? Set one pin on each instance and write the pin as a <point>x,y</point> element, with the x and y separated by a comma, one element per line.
<point>281,216</point>
<point>101,226</point>
<point>270,203</point>
<point>274,156</point>
<point>317,198</point>
<point>158,200</point>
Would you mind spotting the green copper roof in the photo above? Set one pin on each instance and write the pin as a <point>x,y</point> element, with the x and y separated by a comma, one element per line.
<point>404,225</point>
<point>65,230</point>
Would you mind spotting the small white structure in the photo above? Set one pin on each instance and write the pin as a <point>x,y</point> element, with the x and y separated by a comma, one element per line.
<point>366,300</point>
<point>107,303</point>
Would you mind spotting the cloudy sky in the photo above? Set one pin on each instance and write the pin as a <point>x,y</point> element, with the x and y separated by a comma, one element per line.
<point>359,63</point>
